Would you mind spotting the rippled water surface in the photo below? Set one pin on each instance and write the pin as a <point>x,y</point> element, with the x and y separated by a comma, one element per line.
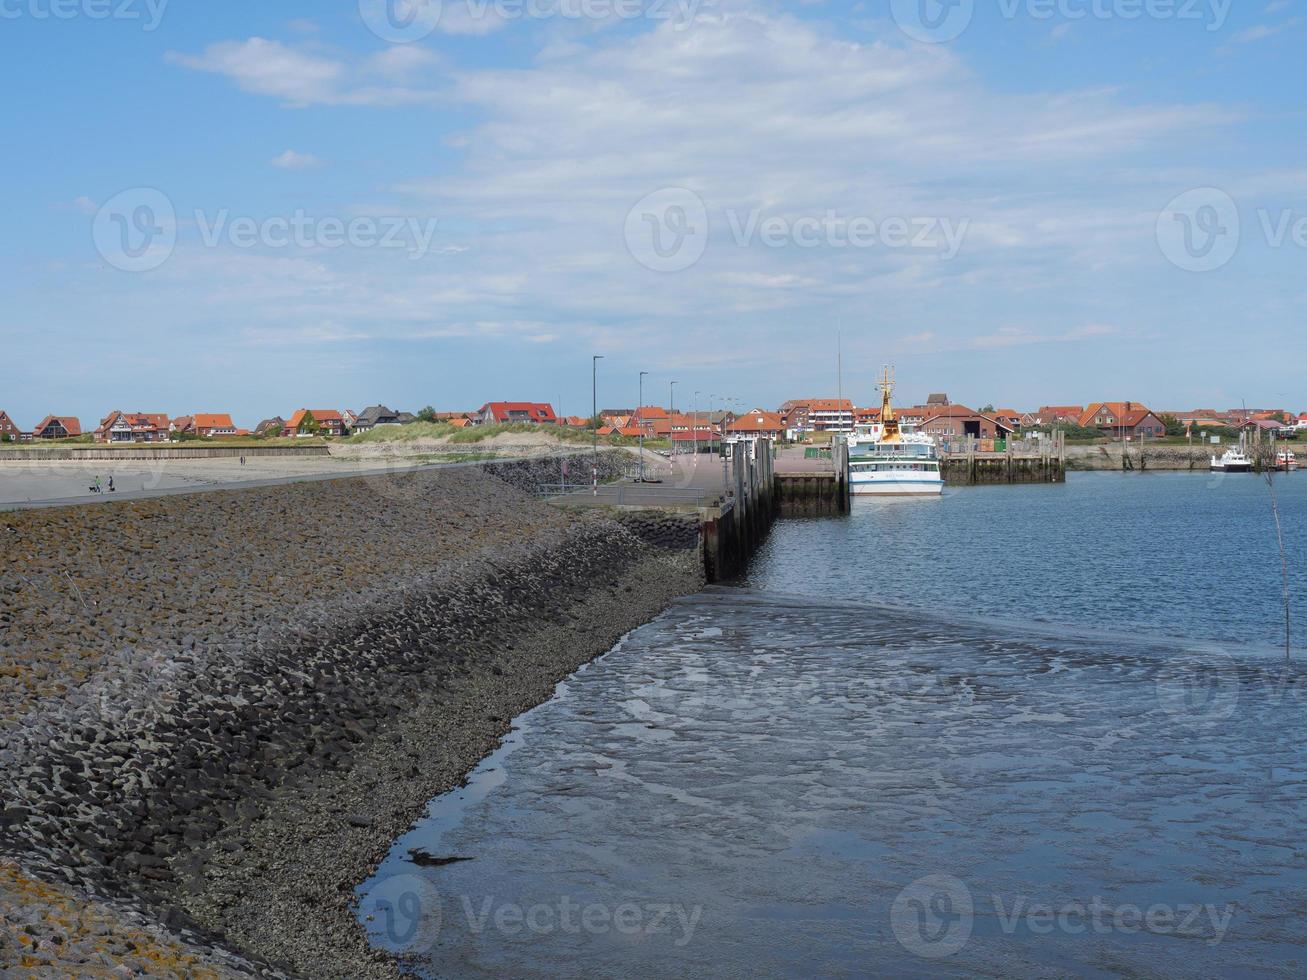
<point>793,779</point>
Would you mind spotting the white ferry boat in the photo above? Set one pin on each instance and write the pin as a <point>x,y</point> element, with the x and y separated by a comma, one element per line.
<point>888,458</point>
<point>1232,461</point>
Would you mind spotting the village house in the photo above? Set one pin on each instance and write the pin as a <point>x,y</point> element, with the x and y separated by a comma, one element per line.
<point>376,415</point>
<point>274,426</point>
<point>953,423</point>
<point>58,427</point>
<point>349,418</point>
<point>314,422</point>
<point>534,413</point>
<point>9,431</point>
<point>758,423</point>
<point>204,425</point>
<point>818,414</point>
<point>122,427</point>
<point>1123,420</point>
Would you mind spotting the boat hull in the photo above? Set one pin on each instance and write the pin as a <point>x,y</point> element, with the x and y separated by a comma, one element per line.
<point>1234,468</point>
<point>895,488</point>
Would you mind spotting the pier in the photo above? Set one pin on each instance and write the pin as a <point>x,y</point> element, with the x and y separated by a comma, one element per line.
<point>974,462</point>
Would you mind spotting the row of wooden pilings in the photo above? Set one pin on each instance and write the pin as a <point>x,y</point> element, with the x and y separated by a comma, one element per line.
<point>732,531</point>
<point>969,467</point>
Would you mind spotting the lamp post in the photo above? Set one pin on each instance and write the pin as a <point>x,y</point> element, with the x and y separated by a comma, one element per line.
<point>594,401</point>
<point>671,421</point>
<point>639,410</point>
<point>696,428</point>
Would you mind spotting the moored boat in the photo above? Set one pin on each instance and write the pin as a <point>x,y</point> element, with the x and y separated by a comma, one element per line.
<point>887,458</point>
<point>1286,460</point>
<point>1232,461</point>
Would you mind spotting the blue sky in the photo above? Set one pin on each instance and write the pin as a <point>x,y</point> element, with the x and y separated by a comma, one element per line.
<point>1069,200</point>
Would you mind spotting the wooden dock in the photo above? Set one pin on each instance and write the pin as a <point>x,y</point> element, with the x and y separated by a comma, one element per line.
<point>1031,461</point>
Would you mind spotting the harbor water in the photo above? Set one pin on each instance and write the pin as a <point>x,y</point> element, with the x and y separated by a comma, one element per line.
<point>1030,731</point>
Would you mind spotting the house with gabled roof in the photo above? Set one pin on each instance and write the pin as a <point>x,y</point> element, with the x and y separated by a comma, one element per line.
<point>376,415</point>
<point>276,425</point>
<point>58,427</point>
<point>123,427</point>
<point>502,413</point>
<point>9,431</point>
<point>956,422</point>
<point>315,422</point>
<point>1123,420</point>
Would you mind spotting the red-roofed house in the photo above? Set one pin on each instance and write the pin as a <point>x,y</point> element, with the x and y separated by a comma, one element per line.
<point>537,413</point>
<point>315,421</point>
<point>818,414</point>
<point>211,425</point>
<point>1123,420</point>
<point>118,427</point>
<point>58,427</point>
<point>954,422</point>
<point>757,423</point>
<point>9,431</point>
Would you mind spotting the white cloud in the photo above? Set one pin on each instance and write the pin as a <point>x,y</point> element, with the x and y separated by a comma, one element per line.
<point>750,111</point>
<point>301,78</point>
<point>1260,32</point>
<point>290,160</point>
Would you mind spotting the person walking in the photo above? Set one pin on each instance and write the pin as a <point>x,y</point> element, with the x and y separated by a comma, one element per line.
<point>97,484</point>
<point>111,483</point>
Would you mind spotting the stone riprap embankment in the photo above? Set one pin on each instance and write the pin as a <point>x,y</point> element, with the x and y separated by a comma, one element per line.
<point>1112,457</point>
<point>217,711</point>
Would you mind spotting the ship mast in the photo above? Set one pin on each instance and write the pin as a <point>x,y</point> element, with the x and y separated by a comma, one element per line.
<point>888,422</point>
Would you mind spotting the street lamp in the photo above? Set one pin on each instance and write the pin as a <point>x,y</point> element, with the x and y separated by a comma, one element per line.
<point>671,421</point>
<point>639,411</point>
<point>594,401</point>
<point>696,428</point>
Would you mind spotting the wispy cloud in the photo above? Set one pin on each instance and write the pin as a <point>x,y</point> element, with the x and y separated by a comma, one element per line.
<point>291,160</point>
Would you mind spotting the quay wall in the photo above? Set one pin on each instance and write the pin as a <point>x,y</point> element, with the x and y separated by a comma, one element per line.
<point>1142,458</point>
<point>146,453</point>
<point>218,711</point>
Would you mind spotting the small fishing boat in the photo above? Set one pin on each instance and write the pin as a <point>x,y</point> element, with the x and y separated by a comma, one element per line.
<point>1232,461</point>
<point>1286,460</point>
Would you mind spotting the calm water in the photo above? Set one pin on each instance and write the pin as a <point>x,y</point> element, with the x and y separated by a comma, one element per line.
<point>870,762</point>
